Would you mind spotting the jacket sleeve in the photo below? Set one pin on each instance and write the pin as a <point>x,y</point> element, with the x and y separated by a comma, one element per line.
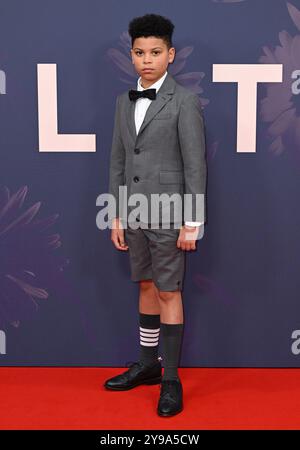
<point>191,132</point>
<point>117,160</point>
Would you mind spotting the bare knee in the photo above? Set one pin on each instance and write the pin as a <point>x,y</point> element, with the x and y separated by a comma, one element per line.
<point>146,285</point>
<point>149,302</point>
<point>165,296</point>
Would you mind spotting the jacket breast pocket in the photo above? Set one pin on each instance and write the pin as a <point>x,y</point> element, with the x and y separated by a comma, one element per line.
<point>170,177</point>
<point>162,116</point>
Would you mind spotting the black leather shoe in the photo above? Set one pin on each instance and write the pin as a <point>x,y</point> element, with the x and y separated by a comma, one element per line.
<point>170,400</point>
<point>137,374</point>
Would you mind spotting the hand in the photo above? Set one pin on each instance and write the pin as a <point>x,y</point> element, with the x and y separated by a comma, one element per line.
<point>117,235</point>
<point>187,237</point>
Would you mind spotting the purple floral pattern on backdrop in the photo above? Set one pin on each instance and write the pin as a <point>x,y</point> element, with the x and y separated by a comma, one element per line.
<point>215,289</point>
<point>27,249</point>
<point>28,257</point>
<point>31,268</point>
<point>280,106</point>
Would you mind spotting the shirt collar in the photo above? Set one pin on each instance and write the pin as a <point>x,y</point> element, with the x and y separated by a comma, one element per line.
<point>155,85</point>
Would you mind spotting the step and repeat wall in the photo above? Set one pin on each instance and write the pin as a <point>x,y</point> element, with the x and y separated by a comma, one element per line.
<point>66,297</point>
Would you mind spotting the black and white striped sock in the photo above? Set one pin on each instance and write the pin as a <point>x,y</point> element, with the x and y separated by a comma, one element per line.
<point>149,338</point>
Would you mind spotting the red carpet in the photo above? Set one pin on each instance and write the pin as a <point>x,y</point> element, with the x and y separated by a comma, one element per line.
<point>73,398</point>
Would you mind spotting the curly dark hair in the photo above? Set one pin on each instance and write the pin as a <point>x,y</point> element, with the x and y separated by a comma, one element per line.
<point>151,25</point>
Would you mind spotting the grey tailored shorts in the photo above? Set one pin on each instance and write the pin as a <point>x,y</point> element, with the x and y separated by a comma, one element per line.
<point>154,255</point>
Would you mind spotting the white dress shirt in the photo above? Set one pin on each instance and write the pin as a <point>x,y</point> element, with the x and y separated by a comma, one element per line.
<point>141,106</point>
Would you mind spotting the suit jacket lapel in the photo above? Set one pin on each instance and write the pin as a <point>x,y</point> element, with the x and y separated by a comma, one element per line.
<point>164,94</point>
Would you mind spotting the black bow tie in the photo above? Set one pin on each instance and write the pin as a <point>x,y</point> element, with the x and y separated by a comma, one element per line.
<point>146,93</point>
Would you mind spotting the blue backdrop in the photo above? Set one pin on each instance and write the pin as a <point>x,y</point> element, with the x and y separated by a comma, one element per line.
<point>66,297</point>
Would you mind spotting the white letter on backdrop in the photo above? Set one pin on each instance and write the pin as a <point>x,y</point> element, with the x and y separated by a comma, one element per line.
<point>49,139</point>
<point>247,76</point>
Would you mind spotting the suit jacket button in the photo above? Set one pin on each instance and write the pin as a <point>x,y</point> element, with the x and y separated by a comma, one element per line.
<point>136,179</point>
<point>137,150</point>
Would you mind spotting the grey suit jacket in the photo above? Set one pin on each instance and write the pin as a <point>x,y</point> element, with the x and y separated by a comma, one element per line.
<point>166,156</point>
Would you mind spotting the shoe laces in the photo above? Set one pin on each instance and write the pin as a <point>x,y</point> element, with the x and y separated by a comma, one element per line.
<point>138,363</point>
<point>132,363</point>
<point>168,390</point>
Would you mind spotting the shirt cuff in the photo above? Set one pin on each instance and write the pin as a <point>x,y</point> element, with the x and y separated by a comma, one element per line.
<point>194,224</point>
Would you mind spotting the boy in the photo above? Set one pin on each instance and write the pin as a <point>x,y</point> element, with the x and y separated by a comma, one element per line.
<point>158,147</point>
